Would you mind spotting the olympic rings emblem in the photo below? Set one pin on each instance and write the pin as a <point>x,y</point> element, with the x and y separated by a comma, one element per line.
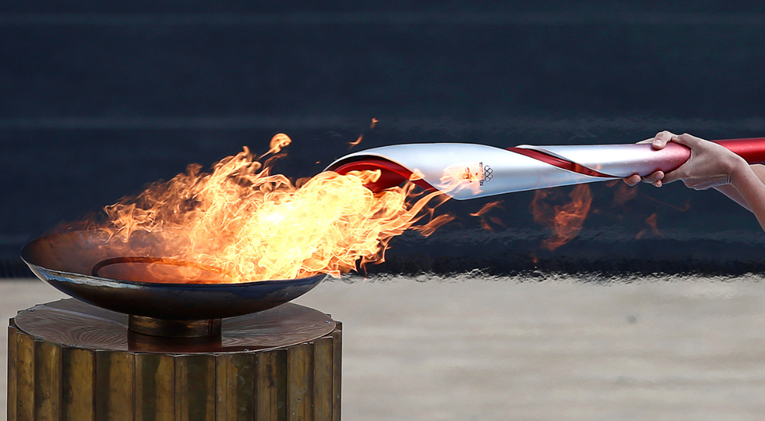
<point>488,173</point>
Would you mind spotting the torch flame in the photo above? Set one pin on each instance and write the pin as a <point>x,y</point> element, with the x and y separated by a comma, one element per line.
<point>356,142</point>
<point>279,141</point>
<point>566,220</point>
<point>416,175</point>
<point>252,225</point>
<point>482,215</point>
<point>487,207</point>
<point>651,222</point>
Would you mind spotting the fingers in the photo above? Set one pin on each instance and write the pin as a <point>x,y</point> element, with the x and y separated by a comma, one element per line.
<point>664,136</point>
<point>656,179</point>
<point>632,180</point>
<point>661,139</point>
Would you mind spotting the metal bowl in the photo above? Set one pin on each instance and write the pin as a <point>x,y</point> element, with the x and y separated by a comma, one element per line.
<point>66,261</point>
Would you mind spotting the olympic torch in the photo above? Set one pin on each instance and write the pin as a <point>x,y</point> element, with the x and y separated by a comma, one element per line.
<point>467,171</point>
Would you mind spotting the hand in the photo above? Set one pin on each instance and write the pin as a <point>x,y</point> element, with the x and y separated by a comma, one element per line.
<point>710,164</point>
<point>659,142</point>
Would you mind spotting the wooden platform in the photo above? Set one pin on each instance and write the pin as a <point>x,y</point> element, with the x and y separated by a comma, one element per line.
<point>71,361</point>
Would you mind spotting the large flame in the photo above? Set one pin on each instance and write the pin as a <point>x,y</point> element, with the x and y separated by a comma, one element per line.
<point>252,225</point>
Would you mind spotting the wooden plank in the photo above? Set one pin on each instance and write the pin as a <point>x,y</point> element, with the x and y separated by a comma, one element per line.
<point>223,400</point>
<point>337,370</point>
<point>47,381</point>
<point>78,380</point>
<point>154,387</point>
<point>195,387</point>
<point>322,379</point>
<point>115,385</point>
<point>282,398</point>
<point>12,378</point>
<point>271,385</point>
<point>235,386</point>
<point>25,377</point>
<point>300,382</point>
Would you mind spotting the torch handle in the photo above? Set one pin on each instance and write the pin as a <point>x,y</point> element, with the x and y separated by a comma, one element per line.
<point>674,154</point>
<point>623,160</point>
<point>752,149</point>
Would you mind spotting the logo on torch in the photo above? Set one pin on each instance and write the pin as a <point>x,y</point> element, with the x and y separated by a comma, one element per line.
<point>486,173</point>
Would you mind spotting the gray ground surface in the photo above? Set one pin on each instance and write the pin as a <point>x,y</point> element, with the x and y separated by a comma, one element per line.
<point>463,349</point>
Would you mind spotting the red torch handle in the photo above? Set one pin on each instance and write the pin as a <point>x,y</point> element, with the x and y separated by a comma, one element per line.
<point>642,162</point>
<point>752,150</point>
<point>674,154</point>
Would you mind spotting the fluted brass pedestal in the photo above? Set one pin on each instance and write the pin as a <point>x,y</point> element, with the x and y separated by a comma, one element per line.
<point>71,361</point>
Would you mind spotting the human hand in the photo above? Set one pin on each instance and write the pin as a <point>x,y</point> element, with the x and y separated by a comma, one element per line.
<point>658,142</point>
<point>710,164</point>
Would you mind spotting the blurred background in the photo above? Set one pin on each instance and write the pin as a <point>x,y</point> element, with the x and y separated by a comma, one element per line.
<point>100,99</point>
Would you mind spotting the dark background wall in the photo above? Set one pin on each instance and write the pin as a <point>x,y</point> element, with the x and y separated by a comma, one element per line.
<point>98,99</point>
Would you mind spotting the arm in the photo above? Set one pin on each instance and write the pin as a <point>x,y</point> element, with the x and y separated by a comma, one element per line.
<point>732,192</point>
<point>750,189</point>
<point>712,166</point>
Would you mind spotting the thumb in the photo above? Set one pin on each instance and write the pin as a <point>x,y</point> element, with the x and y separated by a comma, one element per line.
<point>659,143</point>
<point>661,139</point>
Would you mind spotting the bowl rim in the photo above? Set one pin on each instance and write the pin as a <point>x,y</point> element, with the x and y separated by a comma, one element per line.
<point>82,278</point>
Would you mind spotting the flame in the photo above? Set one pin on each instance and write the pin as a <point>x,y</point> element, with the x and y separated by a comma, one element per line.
<point>566,220</point>
<point>361,137</point>
<point>487,207</point>
<point>279,141</point>
<point>482,215</point>
<point>252,225</point>
<point>416,175</point>
<point>435,223</point>
<point>651,221</point>
<point>497,221</point>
